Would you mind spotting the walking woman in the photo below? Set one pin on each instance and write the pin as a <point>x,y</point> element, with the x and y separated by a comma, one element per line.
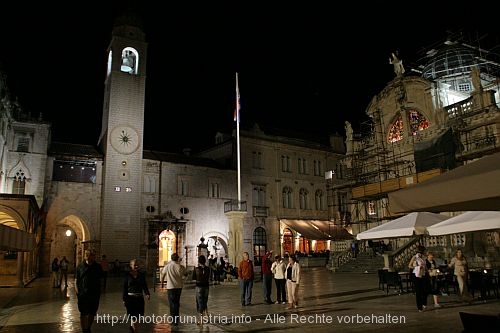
<point>201,275</point>
<point>461,271</point>
<point>134,289</point>
<point>292,282</point>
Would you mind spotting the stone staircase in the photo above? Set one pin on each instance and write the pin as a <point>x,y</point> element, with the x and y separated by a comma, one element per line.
<point>364,263</point>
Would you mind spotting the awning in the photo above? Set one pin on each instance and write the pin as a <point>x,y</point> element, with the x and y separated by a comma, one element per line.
<point>305,228</point>
<point>12,239</point>
<point>472,187</point>
<point>335,232</point>
<point>318,230</point>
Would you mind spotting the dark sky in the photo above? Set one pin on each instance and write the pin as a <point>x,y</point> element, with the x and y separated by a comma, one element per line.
<point>302,67</point>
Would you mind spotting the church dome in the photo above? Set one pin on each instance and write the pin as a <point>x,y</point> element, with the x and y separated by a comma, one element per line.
<point>449,61</point>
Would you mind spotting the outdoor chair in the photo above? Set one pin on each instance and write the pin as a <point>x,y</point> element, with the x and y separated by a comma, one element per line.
<point>392,279</point>
<point>381,279</point>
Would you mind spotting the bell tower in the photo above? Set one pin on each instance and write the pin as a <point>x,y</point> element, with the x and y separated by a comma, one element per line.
<point>121,140</point>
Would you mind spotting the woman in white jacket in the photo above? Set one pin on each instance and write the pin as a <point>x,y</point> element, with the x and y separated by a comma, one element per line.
<point>292,281</point>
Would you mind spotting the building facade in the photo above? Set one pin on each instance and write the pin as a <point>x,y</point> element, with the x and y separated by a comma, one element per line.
<point>124,201</point>
<point>442,114</point>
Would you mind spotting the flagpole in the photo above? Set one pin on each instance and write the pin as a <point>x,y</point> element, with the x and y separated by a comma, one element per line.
<point>238,140</point>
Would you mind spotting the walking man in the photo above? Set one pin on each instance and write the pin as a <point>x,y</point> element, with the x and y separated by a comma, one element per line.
<point>88,289</point>
<point>174,274</point>
<point>245,275</point>
<point>64,265</point>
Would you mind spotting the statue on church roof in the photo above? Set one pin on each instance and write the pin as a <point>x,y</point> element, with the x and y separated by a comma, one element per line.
<point>398,64</point>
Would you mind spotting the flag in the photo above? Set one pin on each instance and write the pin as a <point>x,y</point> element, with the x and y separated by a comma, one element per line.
<point>237,109</point>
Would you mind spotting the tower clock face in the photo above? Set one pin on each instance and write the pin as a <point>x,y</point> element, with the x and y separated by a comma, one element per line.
<point>124,139</point>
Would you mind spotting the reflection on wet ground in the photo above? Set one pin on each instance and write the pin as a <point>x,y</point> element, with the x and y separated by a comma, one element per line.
<point>339,296</point>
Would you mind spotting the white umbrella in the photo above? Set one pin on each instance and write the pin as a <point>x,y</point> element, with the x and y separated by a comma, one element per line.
<point>406,226</point>
<point>466,222</point>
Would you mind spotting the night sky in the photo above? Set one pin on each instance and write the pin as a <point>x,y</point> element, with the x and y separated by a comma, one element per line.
<point>302,67</point>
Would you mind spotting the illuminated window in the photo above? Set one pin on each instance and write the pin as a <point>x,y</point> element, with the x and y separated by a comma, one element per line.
<point>417,122</point>
<point>396,130</point>
<point>371,208</point>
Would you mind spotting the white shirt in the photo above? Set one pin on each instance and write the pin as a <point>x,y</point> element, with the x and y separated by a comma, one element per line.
<point>174,274</point>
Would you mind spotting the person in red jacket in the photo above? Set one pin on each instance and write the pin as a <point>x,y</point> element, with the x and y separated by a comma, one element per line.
<point>246,276</point>
<point>267,277</point>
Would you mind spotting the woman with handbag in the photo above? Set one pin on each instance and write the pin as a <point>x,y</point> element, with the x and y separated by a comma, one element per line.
<point>432,269</point>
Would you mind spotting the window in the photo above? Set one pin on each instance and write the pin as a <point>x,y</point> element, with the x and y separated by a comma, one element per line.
<point>303,195</point>
<point>372,208</point>
<point>183,187</point>
<point>22,141</point>
<point>417,122</point>
<point>464,87</point>
<point>259,196</point>
<point>214,190</point>
<point>149,184</point>
<point>318,170</point>
<point>318,200</point>
<point>342,200</point>
<point>396,130</point>
<point>302,165</point>
<point>259,245</point>
<point>129,61</point>
<point>287,197</point>
<point>19,183</point>
<point>257,160</point>
<point>286,163</point>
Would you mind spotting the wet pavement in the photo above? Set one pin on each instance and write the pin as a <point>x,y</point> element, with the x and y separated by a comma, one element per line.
<point>329,302</point>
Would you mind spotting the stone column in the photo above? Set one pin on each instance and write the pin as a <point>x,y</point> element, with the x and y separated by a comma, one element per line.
<point>20,269</point>
<point>235,239</point>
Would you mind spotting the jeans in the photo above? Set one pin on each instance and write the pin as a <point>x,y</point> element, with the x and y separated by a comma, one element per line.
<point>201,299</point>
<point>246,291</point>
<point>267,283</point>
<point>280,290</point>
<point>174,302</point>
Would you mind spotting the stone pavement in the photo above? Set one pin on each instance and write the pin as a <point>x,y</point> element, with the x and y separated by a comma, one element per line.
<point>329,302</point>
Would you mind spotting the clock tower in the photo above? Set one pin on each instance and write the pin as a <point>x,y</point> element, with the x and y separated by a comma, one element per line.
<point>121,142</point>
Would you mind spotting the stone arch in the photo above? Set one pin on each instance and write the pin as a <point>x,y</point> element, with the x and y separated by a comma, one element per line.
<point>221,238</point>
<point>11,218</point>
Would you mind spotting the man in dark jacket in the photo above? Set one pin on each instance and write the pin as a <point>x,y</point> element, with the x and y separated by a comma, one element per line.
<point>88,289</point>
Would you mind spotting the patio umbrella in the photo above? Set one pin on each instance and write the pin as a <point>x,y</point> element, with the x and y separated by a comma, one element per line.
<point>466,222</point>
<point>406,226</point>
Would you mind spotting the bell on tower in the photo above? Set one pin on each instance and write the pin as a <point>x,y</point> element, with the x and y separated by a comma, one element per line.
<point>128,62</point>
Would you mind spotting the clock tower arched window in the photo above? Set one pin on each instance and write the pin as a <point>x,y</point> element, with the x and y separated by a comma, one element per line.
<point>130,60</point>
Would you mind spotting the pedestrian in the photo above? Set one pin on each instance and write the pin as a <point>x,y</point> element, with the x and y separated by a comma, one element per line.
<point>135,287</point>
<point>163,272</point>
<point>354,248</point>
<point>461,271</point>
<point>55,273</point>
<point>433,271</point>
<point>278,268</point>
<point>246,276</point>
<point>267,277</point>
<point>64,266</point>
<point>420,278</point>
<point>201,274</point>
<point>105,270</point>
<point>292,281</point>
<point>88,289</point>
<point>175,274</point>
